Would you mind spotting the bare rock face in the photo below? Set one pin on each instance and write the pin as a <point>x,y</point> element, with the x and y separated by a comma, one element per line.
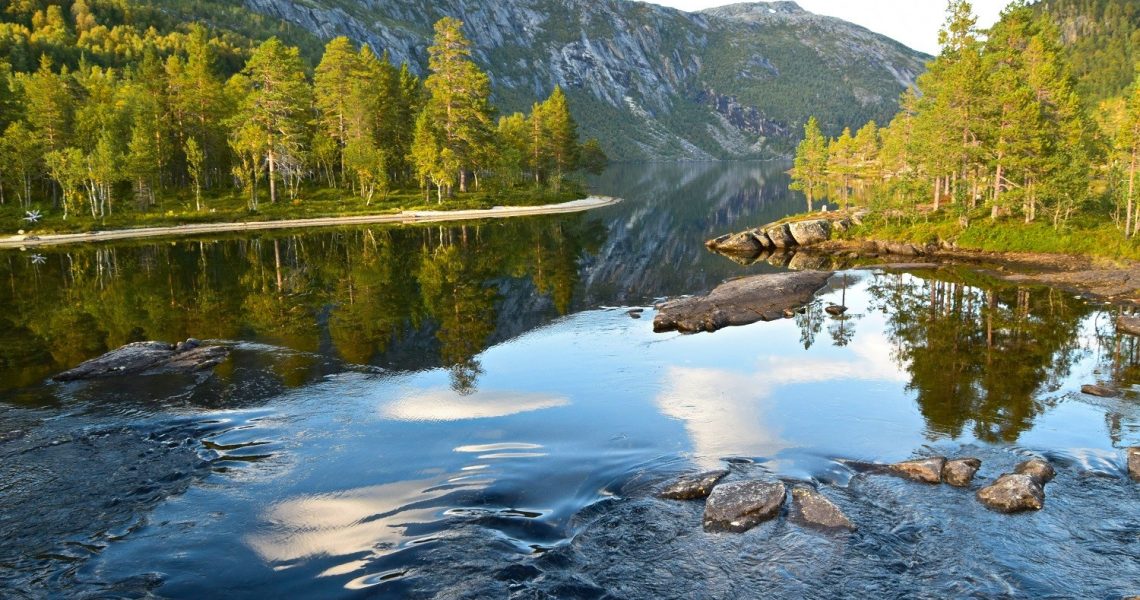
<point>814,508</point>
<point>1039,470</point>
<point>960,471</point>
<point>148,358</point>
<point>741,302</point>
<point>693,487</point>
<point>740,506</point>
<point>1012,493</point>
<point>806,233</point>
<point>1134,463</point>
<point>926,470</point>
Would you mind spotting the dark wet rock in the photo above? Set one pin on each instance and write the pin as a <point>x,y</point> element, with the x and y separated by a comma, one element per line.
<point>11,436</point>
<point>926,470</point>
<point>807,233</point>
<point>1128,324</point>
<point>518,572</point>
<point>959,472</point>
<point>1012,493</point>
<point>1102,391</point>
<point>189,344</point>
<point>780,236</point>
<point>741,302</point>
<point>1041,471</point>
<point>1134,463</point>
<point>741,505</point>
<point>636,313</point>
<point>693,487</point>
<point>814,508</point>
<point>147,358</point>
<point>835,310</point>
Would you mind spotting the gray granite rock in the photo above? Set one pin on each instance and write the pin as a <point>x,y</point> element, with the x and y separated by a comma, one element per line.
<point>741,505</point>
<point>1012,493</point>
<point>694,486</point>
<point>814,508</point>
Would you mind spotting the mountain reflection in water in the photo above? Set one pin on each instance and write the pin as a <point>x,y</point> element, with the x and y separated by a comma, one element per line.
<point>469,411</point>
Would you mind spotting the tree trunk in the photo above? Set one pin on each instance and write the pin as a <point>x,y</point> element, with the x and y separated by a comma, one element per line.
<point>462,180</point>
<point>1131,189</point>
<point>272,176</point>
<point>937,192</point>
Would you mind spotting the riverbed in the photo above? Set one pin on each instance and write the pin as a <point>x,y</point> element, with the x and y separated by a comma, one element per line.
<point>471,410</point>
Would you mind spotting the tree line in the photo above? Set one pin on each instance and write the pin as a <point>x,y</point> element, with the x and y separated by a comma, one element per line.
<point>81,139</point>
<point>995,123</point>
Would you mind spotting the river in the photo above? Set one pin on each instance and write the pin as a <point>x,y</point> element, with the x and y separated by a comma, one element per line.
<point>470,410</point>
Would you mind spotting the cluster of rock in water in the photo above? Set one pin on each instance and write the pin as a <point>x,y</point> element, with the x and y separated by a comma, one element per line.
<point>738,506</point>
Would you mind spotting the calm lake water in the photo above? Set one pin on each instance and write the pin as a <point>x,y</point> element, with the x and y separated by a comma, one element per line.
<point>470,411</point>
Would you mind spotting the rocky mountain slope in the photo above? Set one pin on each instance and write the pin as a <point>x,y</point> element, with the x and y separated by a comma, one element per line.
<point>649,81</point>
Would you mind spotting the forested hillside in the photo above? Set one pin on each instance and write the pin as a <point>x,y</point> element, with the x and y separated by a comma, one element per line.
<point>1103,42</point>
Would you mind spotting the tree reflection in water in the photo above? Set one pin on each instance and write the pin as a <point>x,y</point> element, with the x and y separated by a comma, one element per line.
<point>977,351</point>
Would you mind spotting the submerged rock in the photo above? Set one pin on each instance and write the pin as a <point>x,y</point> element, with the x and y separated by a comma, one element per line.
<point>814,508</point>
<point>1102,391</point>
<point>741,302</point>
<point>1134,463</point>
<point>693,487</point>
<point>148,358</point>
<point>960,471</point>
<point>1014,492</point>
<point>741,505</point>
<point>1041,471</point>
<point>926,470</point>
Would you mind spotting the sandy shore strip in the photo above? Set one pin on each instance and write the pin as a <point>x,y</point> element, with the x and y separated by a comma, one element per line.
<point>419,216</point>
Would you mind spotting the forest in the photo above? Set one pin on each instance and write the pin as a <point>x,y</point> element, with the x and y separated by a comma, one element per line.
<point>106,124</point>
<point>1000,145</point>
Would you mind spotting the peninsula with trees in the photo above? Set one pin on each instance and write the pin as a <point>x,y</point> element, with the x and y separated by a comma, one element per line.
<point>108,125</point>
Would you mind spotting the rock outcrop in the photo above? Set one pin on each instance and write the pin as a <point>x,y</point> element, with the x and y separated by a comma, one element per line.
<point>960,471</point>
<point>779,236</point>
<point>693,487</point>
<point>145,358</point>
<point>1013,493</point>
<point>814,508</point>
<point>741,505</point>
<point>926,470</point>
<point>740,302</point>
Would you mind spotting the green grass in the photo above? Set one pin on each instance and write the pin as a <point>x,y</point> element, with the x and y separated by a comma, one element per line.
<point>178,208</point>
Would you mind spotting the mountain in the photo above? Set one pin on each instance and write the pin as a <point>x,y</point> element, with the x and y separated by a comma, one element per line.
<point>649,81</point>
<point>1103,40</point>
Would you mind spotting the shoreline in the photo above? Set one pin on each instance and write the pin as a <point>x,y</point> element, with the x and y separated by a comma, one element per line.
<point>404,217</point>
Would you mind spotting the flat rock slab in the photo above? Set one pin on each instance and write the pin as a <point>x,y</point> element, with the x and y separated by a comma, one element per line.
<point>926,470</point>
<point>1039,470</point>
<point>815,509</point>
<point>960,471</point>
<point>1134,463</point>
<point>1013,493</point>
<point>740,302</point>
<point>693,487</point>
<point>148,358</point>
<point>741,505</point>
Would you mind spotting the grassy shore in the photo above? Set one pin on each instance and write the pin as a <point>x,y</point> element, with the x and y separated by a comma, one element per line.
<point>178,209</point>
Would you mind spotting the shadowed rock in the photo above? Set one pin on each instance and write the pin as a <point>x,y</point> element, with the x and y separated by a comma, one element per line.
<point>1102,391</point>
<point>815,509</point>
<point>1040,471</point>
<point>693,487</point>
<point>926,470</point>
<point>148,358</point>
<point>740,302</point>
<point>960,471</point>
<point>741,505</point>
<point>780,236</point>
<point>1012,493</point>
<point>1134,463</point>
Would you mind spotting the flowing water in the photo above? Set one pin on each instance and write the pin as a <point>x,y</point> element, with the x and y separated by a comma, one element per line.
<point>471,411</point>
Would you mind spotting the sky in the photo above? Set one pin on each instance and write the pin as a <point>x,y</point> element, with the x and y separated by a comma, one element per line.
<point>912,22</point>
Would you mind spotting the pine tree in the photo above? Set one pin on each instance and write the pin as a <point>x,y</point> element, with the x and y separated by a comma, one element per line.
<point>563,135</point>
<point>809,172</point>
<point>333,92</point>
<point>49,104</point>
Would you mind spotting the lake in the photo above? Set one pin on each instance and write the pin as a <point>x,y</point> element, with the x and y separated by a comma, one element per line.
<point>470,410</point>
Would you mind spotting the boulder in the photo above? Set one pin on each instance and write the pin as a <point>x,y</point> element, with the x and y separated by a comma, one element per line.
<point>148,358</point>
<point>1102,391</point>
<point>740,302</point>
<point>1013,493</point>
<point>763,239</point>
<point>740,243</point>
<point>900,248</point>
<point>1134,463</point>
<point>780,236</point>
<point>1128,324</point>
<point>741,505</point>
<point>815,509</point>
<point>960,471</point>
<point>835,310</point>
<point>693,487</point>
<point>806,233</point>
<point>926,470</point>
<point>1041,471</point>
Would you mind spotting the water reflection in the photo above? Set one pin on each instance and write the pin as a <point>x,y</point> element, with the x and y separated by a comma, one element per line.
<point>449,405</point>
